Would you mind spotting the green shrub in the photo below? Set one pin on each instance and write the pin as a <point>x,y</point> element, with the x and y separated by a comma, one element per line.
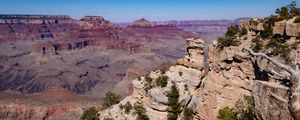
<point>232,31</point>
<point>267,32</point>
<point>139,78</point>
<point>244,31</point>
<point>247,111</point>
<point>278,47</point>
<point>244,110</point>
<point>148,79</point>
<point>174,107</point>
<point>287,12</point>
<point>186,87</point>
<point>188,114</point>
<point>180,73</point>
<point>127,107</point>
<point>110,99</point>
<point>227,114</point>
<point>230,37</point>
<point>257,44</point>
<point>90,114</point>
<point>140,111</point>
<point>162,81</point>
<point>227,42</point>
<point>148,85</point>
<point>283,12</point>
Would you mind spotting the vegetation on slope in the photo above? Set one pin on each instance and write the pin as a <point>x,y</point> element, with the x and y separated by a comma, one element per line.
<point>174,108</point>
<point>244,110</point>
<point>162,81</point>
<point>188,114</point>
<point>90,114</point>
<point>128,107</point>
<point>140,111</point>
<point>110,99</point>
<point>230,37</point>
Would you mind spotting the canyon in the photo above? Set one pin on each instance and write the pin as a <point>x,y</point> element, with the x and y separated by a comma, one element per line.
<point>54,67</point>
<point>84,58</point>
<point>235,75</point>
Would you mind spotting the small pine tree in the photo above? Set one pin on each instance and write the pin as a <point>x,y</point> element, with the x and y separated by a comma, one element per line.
<point>110,99</point>
<point>174,106</point>
<point>257,44</point>
<point>244,31</point>
<point>140,111</point>
<point>90,114</point>
<point>162,81</point>
<point>186,87</point>
<point>188,114</point>
<point>127,107</point>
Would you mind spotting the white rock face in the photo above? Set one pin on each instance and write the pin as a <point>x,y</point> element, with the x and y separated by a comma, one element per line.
<point>187,78</point>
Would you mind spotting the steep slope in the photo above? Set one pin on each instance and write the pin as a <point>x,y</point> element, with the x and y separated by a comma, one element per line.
<point>85,56</point>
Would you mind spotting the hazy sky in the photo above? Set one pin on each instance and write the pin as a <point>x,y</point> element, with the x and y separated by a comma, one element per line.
<point>155,10</point>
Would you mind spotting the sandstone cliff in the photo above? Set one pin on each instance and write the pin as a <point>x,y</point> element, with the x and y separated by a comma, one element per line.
<point>233,73</point>
<point>204,91</point>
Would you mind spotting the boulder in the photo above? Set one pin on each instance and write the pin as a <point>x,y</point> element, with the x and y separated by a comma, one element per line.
<point>279,28</point>
<point>292,29</point>
<point>266,106</point>
<point>158,95</point>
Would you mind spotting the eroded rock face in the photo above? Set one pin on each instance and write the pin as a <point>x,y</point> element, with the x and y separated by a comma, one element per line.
<point>81,55</point>
<point>232,75</point>
<point>194,57</point>
<point>186,78</point>
<point>287,27</point>
<point>89,57</point>
<point>52,104</point>
<point>279,28</point>
<point>220,87</point>
<point>266,105</point>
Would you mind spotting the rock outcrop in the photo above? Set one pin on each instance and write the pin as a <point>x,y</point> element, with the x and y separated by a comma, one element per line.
<point>233,73</point>
<point>287,27</point>
<point>94,23</point>
<point>194,57</point>
<point>284,27</point>
<point>154,99</point>
<point>141,23</point>
<point>204,92</point>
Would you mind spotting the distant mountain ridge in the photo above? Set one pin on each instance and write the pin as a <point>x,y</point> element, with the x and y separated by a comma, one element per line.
<point>208,29</point>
